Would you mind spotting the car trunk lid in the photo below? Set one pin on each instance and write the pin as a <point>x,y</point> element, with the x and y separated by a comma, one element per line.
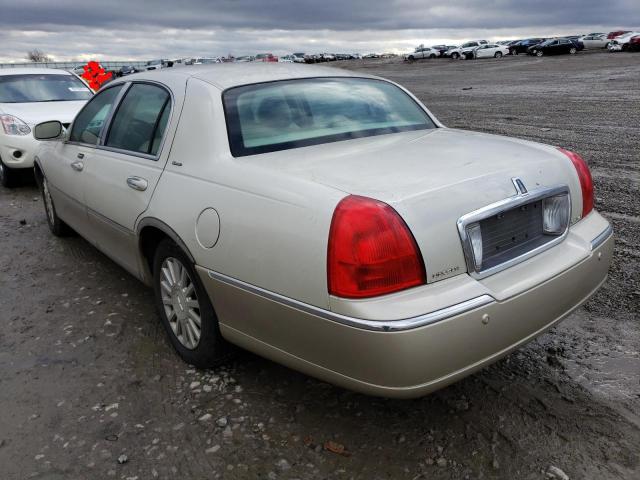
<point>432,178</point>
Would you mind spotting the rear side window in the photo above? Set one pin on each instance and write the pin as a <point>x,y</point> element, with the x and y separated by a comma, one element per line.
<point>88,124</point>
<point>281,115</point>
<point>141,119</point>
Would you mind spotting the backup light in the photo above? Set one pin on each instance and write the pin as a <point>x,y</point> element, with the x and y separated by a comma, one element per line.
<point>555,214</point>
<point>474,233</point>
<point>14,126</point>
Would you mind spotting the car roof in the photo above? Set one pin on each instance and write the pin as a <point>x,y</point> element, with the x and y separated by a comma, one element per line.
<point>227,75</point>
<point>34,71</point>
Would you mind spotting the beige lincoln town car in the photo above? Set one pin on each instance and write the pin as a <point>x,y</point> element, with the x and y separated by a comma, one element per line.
<point>325,220</point>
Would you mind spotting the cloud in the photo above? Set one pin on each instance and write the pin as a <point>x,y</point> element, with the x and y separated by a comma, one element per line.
<point>135,29</point>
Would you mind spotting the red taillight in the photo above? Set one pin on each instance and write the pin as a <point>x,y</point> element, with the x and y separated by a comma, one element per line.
<point>371,250</point>
<point>586,182</point>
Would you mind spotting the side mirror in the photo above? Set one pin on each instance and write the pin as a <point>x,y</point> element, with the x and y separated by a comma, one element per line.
<point>48,130</point>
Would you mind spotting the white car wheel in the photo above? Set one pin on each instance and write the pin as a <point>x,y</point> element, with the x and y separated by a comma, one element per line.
<point>8,176</point>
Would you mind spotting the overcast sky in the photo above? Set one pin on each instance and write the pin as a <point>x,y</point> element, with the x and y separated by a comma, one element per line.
<point>142,30</point>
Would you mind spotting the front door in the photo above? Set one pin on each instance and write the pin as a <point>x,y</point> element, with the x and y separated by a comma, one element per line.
<point>124,171</point>
<point>65,170</point>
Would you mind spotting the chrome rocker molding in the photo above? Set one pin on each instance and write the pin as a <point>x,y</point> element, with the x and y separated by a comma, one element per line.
<point>602,237</point>
<point>501,206</point>
<point>376,325</point>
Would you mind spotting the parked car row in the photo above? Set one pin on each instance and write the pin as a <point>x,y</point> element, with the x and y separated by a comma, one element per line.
<point>619,40</point>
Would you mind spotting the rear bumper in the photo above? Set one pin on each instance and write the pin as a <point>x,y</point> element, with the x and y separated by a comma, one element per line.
<point>417,358</point>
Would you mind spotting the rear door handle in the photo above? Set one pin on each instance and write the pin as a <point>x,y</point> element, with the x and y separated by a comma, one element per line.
<point>77,166</point>
<point>137,183</point>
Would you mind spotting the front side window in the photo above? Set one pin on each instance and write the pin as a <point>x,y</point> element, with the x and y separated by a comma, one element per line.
<point>31,88</point>
<point>289,114</point>
<point>88,124</point>
<point>139,123</point>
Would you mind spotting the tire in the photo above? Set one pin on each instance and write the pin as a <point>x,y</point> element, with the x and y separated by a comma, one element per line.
<point>572,51</point>
<point>432,55</point>
<point>498,55</point>
<point>8,176</point>
<point>539,53</point>
<point>411,58</point>
<point>57,226</point>
<point>181,299</point>
<point>455,55</point>
<point>514,52</point>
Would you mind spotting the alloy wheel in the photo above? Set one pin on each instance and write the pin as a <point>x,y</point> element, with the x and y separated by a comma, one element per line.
<point>180,302</point>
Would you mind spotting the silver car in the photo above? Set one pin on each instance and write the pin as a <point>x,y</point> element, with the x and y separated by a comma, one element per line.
<point>325,220</point>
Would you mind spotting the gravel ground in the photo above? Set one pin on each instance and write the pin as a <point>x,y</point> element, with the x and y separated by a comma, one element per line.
<point>90,388</point>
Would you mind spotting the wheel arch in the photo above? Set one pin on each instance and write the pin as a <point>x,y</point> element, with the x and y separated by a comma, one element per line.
<point>151,231</point>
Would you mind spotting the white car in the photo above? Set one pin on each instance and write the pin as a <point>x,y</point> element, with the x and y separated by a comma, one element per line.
<point>491,50</point>
<point>206,60</point>
<point>29,96</point>
<point>465,50</point>
<point>154,65</point>
<point>326,220</point>
<point>595,41</point>
<point>621,42</point>
<point>423,52</point>
<point>298,57</point>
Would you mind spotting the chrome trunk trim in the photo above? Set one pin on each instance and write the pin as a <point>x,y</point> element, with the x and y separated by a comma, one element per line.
<point>501,206</point>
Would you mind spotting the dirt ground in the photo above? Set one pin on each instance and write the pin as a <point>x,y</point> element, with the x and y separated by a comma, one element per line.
<point>88,379</point>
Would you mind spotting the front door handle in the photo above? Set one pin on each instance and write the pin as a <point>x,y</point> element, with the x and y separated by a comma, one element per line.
<point>77,166</point>
<point>137,183</point>
<point>81,156</point>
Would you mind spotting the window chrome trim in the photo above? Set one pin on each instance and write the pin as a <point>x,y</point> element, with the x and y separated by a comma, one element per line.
<point>375,325</point>
<point>602,237</point>
<point>501,206</point>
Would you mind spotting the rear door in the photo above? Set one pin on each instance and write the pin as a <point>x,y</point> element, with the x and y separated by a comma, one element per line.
<point>126,168</point>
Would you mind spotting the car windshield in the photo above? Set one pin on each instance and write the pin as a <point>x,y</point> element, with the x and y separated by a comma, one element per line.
<point>281,115</point>
<point>30,88</point>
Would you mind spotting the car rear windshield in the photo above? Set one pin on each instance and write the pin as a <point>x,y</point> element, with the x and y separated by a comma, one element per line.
<point>287,114</point>
<point>29,88</point>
